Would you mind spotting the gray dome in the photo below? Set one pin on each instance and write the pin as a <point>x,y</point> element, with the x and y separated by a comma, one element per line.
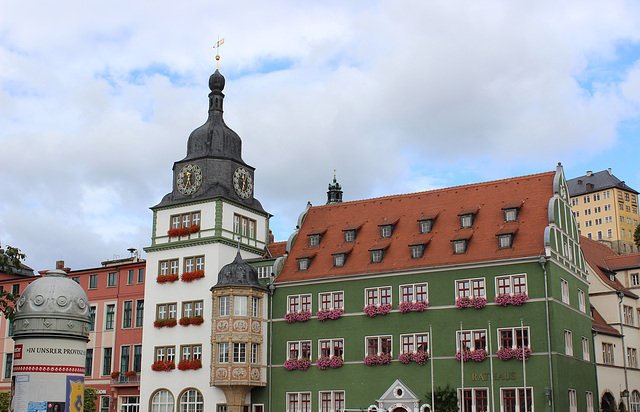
<point>53,305</point>
<point>238,273</point>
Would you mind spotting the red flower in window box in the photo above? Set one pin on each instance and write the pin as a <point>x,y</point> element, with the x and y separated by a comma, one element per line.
<point>183,231</point>
<point>191,320</point>
<point>163,366</point>
<point>187,364</point>
<point>115,374</point>
<point>172,277</point>
<point>169,323</point>
<point>130,374</point>
<point>191,276</point>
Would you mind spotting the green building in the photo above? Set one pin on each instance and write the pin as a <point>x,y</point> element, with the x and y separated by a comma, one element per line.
<point>381,304</point>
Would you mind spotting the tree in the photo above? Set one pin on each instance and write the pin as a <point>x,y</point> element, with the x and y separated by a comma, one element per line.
<point>636,236</point>
<point>90,396</point>
<point>5,398</point>
<point>445,399</point>
<point>10,260</point>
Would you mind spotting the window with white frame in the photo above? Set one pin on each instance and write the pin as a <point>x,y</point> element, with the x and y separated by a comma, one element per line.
<point>634,279</point>
<point>239,352</point>
<point>512,338</point>
<point>223,352</point>
<point>331,300</point>
<point>330,347</point>
<point>470,288</point>
<point>607,353</point>
<point>350,235</point>
<point>298,401</point>
<point>513,399</point>
<point>314,240</point>
<point>264,271</point>
<point>511,284</point>
<point>425,226</point>
<point>386,231</point>
<point>511,215</point>
<point>589,399</point>
<point>632,357</point>
<point>185,220</point>
<point>299,303</point>
<point>418,292</point>
<point>378,296</point>
<point>162,401</point>
<point>240,305</point>
<point>378,345</point>
<point>191,352</point>
<point>191,400</point>
<point>165,353</point>
<point>377,255</point>
<point>471,340</point>
<point>466,220</point>
<point>505,241</point>
<point>585,349</point>
<point>331,401</point>
<point>300,349</point>
<point>573,401</point>
<point>414,342</point>
<point>303,263</point>
<point>339,259</point>
<point>225,305</point>
<point>244,226</point>
<point>568,343</point>
<point>193,263</point>
<point>473,399</point>
<point>628,315</point>
<point>564,287</point>
<point>192,308</point>
<point>581,301</point>
<point>634,402</point>
<point>255,307</point>
<point>417,251</point>
<point>460,246</point>
<point>168,267</point>
<point>166,311</point>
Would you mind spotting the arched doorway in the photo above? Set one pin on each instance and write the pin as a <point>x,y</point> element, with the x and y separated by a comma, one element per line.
<point>399,409</point>
<point>608,403</point>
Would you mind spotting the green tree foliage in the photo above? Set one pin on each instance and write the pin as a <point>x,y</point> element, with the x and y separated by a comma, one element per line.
<point>5,398</point>
<point>636,236</point>
<point>446,399</point>
<point>10,260</point>
<point>90,396</point>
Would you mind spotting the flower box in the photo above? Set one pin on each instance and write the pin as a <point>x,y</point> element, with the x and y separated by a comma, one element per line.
<point>191,276</point>
<point>191,320</point>
<point>130,374</point>
<point>508,353</point>
<point>163,366</point>
<point>115,375</point>
<point>187,364</point>
<point>170,278</point>
<point>476,302</point>
<point>329,362</point>
<point>325,314</point>
<point>300,364</point>
<point>169,323</point>
<point>297,317</point>
<point>183,231</point>
<point>472,355</point>
<point>374,360</point>
<point>506,299</point>
<point>406,307</point>
<point>373,310</point>
<point>420,357</point>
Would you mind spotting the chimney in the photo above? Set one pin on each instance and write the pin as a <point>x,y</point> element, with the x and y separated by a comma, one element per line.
<point>589,173</point>
<point>60,265</point>
<point>609,169</point>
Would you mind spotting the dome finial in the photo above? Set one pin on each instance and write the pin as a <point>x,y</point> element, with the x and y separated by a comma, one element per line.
<point>217,47</point>
<point>334,195</point>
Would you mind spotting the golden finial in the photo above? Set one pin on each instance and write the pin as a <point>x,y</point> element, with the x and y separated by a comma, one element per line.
<point>217,47</point>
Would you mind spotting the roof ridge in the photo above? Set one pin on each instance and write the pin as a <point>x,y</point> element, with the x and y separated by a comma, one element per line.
<point>443,189</point>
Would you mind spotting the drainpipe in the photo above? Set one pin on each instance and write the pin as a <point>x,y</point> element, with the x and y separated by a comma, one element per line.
<point>625,393</point>
<point>272,288</point>
<point>542,261</point>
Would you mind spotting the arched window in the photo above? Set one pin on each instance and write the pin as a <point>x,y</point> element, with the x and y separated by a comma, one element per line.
<point>425,408</point>
<point>634,401</point>
<point>191,401</point>
<point>162,401</point>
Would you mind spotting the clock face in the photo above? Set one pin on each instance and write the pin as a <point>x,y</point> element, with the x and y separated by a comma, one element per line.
<point>242,182</point>
<point>189,179</point>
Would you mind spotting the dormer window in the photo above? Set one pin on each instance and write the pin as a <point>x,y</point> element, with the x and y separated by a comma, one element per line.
<point>425,225</point>
<point>511,215</point>
<point>505,241</point>
<point>386,227</point>
<point>377,255</point>
<point>417,251</point>
<point>350,235</point>
<point>303,264</point>
<point>466,220</point>
<point>460,246</point>
<point>314,240</point>
<point>339,259</point>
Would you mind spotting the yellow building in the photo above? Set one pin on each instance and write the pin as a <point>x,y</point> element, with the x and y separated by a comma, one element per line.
<point>606,209</point>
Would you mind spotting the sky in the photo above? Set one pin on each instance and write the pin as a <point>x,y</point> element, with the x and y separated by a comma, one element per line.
<point>98,99</point>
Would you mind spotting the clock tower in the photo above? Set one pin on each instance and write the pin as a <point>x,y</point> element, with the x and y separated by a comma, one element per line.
<point>209,217</point>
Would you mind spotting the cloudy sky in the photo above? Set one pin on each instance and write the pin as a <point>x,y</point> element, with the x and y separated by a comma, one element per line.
<point>98,100</point>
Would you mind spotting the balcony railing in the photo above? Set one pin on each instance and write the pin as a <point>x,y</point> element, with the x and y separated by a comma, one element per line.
<point>124,380</point>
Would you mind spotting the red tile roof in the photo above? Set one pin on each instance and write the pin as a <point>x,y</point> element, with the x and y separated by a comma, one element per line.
<point>532,192</point>
<point>600,325</point>
<point>631,261</point>
<point>275,249</point>
<point>597,254</point>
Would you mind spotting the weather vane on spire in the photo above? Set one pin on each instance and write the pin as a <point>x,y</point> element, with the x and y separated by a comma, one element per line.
<point>217,47</point>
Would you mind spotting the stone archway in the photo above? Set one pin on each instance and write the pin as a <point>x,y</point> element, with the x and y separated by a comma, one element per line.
<point>399,409</point>
<point>608,403</point>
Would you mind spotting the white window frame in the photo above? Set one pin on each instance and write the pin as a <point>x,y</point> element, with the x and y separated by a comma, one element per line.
<point>379,344</point>
<point>518,391</point>
<point>568,342</point>
<point>564,287</point>
<point>334,406</point>
<point>411,339</point>
<point>300,304</point>
<point>473,334</point>
<point>573,400</point>
<point>608,355</point>
<point>472,289</point>
<point>586,353</point>
<point>474,407</point>
<point>334,302</point>
<point>332,347</point>
<point>581,301</point>
<point>299,343</point>
<point>414,292</point>
<point>378,295</point>
<point>299,396</point>
<point>589,399</point>
<point>509,280</point>
<point>514,340</point>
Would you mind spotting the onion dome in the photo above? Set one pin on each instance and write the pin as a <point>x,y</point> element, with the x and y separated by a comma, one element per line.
<point>238,273</point>
<point>53,305</point>
<point>214,138</point>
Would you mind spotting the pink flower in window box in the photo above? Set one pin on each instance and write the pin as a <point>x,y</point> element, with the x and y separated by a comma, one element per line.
<point>405,307</point>
<point>519,299</point>
<point>370,310</point>
<point>503,300</point>
<point>463,302</point>
<point>520,352</point>
<point>479,302</point>
<point>406,357</point>
<point>420,357</point>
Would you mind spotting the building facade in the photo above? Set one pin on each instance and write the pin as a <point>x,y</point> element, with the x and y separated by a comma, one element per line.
<point>113,353</point>
<point>613,291</point>
<point>210,216</point>
<point>481,289</point>
<point>606,209</point>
